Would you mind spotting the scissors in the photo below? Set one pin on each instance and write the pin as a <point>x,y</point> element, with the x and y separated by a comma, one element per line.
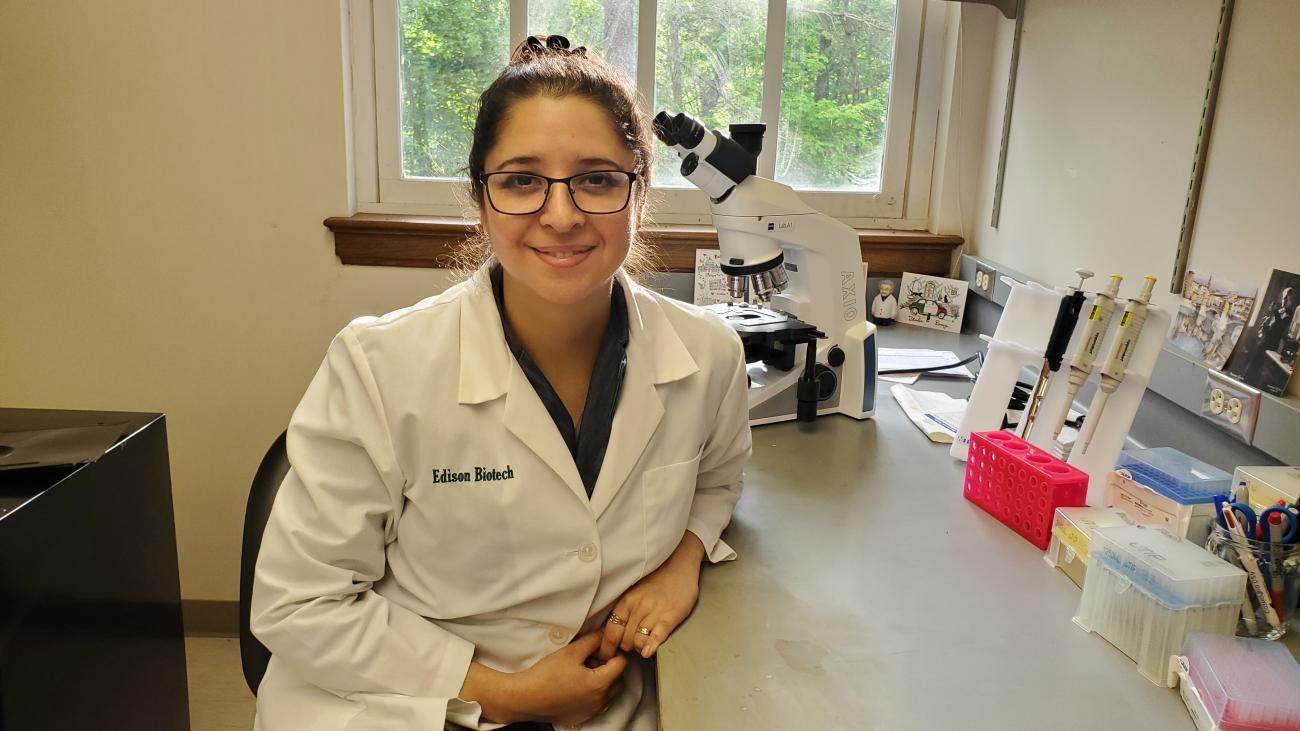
<point>1287,527</point>
<point>1245,515</point>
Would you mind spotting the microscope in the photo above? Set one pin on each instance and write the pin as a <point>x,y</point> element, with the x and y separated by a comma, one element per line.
<point>794,276</point>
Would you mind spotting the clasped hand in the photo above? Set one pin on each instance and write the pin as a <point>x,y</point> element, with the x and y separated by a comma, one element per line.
<point>648,613</point>
<point>577,682</point>
<point>567,687</point>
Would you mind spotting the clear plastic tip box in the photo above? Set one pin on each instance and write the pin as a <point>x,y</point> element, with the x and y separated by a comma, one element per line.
<point>1071,531</point>
<point>1239,684</point>
<point>1184,479</point>
<point>1146,589</point>
<point>1179,490</point>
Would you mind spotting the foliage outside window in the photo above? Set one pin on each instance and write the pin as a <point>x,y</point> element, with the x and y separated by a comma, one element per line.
<point>709,61</point>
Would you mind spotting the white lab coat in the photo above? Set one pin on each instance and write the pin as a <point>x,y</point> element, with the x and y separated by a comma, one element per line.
<point>376,586</point>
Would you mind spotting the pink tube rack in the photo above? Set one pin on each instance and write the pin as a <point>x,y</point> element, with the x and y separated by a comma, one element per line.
<point>1020,484</point>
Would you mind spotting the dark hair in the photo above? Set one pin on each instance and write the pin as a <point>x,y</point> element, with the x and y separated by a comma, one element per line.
<point>546,66</point>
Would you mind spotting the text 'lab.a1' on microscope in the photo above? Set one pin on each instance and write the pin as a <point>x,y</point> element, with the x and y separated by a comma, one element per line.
<point>794,275</point>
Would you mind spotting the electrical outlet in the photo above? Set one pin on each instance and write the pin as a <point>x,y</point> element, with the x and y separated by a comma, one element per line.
<point>985,278</point>
<point>1231,405</point>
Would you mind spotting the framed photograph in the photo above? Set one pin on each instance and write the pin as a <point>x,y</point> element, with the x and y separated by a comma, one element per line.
<point>933,302</point>
<point>1266,356</point>
<point>1211,317</point>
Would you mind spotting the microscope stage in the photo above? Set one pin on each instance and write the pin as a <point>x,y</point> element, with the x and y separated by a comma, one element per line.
<point>746,319</point>
<point>769,336</point>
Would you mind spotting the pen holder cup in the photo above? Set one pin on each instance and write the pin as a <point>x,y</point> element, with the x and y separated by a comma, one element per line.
<point>1279,567</point>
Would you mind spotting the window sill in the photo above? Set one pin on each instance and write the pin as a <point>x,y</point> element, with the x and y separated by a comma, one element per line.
<point>370,239</point>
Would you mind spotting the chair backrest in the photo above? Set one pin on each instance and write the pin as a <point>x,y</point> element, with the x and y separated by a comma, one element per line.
<point>261,495</point>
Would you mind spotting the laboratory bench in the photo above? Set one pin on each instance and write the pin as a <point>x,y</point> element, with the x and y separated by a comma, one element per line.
<point>869,594</point>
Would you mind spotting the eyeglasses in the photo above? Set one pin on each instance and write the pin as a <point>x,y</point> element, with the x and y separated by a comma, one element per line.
<point>523,194</point>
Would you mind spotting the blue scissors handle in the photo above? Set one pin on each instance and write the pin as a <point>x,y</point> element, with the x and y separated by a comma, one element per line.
<point>1289,520</point>
<point>1245,515</point>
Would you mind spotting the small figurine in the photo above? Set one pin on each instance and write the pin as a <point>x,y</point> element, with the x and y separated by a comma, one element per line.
<point>885,306</point>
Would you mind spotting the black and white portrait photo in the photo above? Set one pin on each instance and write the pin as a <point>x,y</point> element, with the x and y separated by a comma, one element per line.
<point>1266,356</point>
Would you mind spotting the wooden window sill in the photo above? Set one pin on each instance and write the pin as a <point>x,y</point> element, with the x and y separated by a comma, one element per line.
<point>424,241</point>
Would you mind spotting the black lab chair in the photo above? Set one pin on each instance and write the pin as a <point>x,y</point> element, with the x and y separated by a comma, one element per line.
<point>261,495</point>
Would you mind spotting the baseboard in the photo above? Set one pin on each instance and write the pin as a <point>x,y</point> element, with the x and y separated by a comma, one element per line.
<point>210,618</point>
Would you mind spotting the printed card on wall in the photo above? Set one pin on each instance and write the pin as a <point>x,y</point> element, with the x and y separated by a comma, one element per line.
<point>1266,356</point>
<point>934,302</point>
<point>710,282</point>
<point>1211,317</point>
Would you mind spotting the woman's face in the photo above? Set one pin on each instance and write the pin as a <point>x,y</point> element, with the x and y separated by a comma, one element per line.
<point>561,254</point>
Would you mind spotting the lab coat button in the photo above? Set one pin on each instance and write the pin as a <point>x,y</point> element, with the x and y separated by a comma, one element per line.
<point>559,635</point>
<point>588,552</point>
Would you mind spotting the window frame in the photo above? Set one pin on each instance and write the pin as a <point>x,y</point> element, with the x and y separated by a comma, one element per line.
<point>378,185</point>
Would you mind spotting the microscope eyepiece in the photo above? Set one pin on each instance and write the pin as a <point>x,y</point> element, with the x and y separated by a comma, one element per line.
<point>662,128</point>
<point>749,136</point>
<point>711,161</point>
<point>682,129</point>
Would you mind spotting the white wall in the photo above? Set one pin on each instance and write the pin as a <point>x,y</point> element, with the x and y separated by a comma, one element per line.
<point>164,170</point>
<point>1103,133</point>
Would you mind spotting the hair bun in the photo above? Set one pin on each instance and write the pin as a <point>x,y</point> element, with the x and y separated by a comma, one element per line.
<point>538,47</point>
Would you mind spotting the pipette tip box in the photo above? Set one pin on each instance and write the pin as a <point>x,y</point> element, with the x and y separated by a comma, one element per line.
<point>1179,477</point>
<point>1020,484</point>
<point>1071,534</point>
<point>1238,683</point>
<point>1147,588</point>
<point>1169,489</point>
<point>1267,485</point>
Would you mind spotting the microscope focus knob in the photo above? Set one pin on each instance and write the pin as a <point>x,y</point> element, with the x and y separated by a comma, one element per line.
<point>827,382</point>
<point>836,356</point>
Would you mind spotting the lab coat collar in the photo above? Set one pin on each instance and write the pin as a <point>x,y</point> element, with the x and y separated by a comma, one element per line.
<point>652,337</point>
<point>485,358</point>
<point>486,362</point>
<point>655,356</point>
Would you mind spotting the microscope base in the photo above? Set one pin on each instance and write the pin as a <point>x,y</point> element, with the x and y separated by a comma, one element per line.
<point>773,393</point>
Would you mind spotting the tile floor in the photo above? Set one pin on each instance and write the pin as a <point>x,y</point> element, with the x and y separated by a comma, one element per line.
<point>219,698</point>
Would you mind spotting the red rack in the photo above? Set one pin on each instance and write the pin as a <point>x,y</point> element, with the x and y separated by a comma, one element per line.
<point>1020,484</point>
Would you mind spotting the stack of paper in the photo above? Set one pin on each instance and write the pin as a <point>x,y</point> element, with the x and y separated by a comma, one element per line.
<point>892,359</point>
<point>937,414</point>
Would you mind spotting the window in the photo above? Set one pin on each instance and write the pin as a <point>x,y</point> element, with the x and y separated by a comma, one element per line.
<point>849,123</point>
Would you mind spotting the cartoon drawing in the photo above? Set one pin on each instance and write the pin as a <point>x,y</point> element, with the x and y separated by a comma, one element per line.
<point>933,302</point>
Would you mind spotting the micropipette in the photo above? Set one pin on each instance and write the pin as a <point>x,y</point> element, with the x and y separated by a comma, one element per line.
<point>1121,351</point>
<point>1086,354</point>
<point>1067,315</point>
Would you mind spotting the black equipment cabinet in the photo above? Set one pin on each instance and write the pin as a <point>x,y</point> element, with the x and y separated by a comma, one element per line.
<point>91,635</point>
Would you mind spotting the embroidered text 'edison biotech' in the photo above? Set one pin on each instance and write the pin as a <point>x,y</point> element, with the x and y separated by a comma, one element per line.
<point>480,474</point>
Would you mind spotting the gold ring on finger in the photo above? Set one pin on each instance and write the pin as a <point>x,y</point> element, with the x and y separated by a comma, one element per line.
<point>643,631</point>
<point>615,619</point>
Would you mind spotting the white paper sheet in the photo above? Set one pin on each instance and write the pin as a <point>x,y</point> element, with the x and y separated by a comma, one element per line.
<point>898,358</point>
<point>937,414</point>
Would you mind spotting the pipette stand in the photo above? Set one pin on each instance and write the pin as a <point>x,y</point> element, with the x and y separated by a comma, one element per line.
<point>1017,343</point>
<point>1121,408</point>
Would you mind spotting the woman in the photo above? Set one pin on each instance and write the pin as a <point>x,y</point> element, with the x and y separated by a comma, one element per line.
<point>501,496</point>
